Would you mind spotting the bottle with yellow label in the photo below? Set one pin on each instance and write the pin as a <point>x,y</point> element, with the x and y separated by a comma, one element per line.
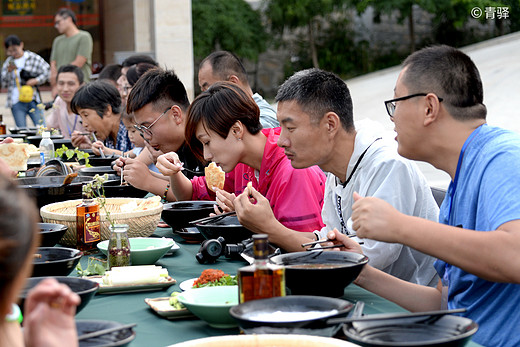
<point>88,228</point>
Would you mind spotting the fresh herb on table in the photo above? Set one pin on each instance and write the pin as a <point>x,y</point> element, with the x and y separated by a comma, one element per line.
<point>70,153</point>
<point>95,266</point>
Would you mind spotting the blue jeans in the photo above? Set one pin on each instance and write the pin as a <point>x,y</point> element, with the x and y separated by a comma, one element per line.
<point>21,109</point>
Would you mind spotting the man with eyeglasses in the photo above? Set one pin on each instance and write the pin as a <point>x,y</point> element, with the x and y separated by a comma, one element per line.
<point>72,46</point>
<point>159,103</point>
<point>316,116</point>
<point>440,118</point>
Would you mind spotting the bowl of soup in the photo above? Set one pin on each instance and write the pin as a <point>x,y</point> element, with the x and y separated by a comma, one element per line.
<point>320,272</point>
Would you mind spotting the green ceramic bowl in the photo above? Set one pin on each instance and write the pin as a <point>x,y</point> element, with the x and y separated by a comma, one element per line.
<point>144,250</point>
<point>212,304</point>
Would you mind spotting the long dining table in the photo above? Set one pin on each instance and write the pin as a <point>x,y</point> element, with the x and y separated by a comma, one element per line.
<point>154,330</point>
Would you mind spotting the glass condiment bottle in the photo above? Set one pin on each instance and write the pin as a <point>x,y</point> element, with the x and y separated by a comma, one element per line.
<point>88,227</point>
<point>261,279</point>
<point>3,128</point>
<point>118,246</point>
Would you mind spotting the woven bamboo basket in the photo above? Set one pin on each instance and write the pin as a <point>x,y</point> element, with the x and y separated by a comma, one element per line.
<point>141,223</point>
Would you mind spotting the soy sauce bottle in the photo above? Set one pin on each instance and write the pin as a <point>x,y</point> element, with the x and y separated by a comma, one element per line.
<point>88,227</point>
<point>261,279</point>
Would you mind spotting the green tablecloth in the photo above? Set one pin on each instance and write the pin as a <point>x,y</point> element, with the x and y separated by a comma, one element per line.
<point>153,330</point>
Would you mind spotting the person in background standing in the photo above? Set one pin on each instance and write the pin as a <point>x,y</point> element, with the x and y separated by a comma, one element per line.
<point>223,66</point>
<point>23,62</point>
<point>73,46</point>
<point>69,80</point>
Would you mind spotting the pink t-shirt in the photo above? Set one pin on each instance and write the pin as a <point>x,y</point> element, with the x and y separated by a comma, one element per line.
<point>295,195</point>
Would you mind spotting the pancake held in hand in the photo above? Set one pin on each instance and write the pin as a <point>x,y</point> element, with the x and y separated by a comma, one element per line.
<point>15,155</point>
<point>215,177</point>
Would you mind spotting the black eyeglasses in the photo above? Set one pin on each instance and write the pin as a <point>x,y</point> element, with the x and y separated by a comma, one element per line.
<point>390,104</point>
<point>145,130</point>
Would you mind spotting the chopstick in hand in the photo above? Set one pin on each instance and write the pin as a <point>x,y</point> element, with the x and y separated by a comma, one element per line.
<point>122,167</point>
<point>100,150</point>
<point>312,243</point>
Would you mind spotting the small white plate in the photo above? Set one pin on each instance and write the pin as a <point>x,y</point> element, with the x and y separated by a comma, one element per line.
<point>188,284</point>
<point>174,248</point>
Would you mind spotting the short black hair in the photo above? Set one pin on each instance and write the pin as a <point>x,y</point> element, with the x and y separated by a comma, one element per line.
<point>318,92</point>
<point>225,64</point>
<point>97,96</point>
<point>218,109</point>
<point>138,58</point>
<point>12,40</point>
<point>71,68</point>
<point>162,88</point>
<point>110,72</point>
<point>451,75</point>
<point>136,71</point>
<point>66,12</point>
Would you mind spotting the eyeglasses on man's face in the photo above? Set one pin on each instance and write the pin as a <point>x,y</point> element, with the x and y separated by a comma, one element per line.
<point>390,104</point>
<point>145,130</point>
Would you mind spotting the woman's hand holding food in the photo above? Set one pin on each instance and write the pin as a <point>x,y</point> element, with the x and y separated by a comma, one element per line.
<point>169,164</point>
<point>253,210</point>
<point>79,140</point>
<point>49,315</point>
<point>225,201</point>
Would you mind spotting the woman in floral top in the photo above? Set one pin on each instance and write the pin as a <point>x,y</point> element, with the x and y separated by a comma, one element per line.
<point>99,106</point>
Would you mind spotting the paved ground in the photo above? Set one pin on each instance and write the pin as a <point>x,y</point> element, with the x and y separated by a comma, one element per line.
<point>498,61</point>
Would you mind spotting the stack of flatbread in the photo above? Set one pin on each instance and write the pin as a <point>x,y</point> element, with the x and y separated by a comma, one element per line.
<point>215,177</point>
<point>16,155</point>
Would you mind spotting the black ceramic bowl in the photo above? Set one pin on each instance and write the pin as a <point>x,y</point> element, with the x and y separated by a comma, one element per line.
<point>95,160</point>
<point>28,131</point>
<point>55,261</point>
<point>14,136</point>
<point>36,139</point>
<point>51,233</point>
<point>330,271</point>
<point>179,214</point>
<point>49,189</point>
<point>296,314</point>
<point>81,286</point>
<point>97,170</point>
<point>228,227</point>
<point>59,142</point>
<point>448,330</point>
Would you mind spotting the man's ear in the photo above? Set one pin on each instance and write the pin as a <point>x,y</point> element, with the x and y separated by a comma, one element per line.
<point>432,108</point>
<point>234,79</point>
<point>177,114</point>
<point>331,122</point>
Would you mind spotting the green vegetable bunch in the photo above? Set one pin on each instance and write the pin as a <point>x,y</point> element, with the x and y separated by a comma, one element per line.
<point>95,266</point>
<point>70,153</point>
<point>223,281</point>
<point>174,301</point>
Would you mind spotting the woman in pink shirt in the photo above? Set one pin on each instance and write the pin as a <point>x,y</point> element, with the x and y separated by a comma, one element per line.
<point>223,126</point>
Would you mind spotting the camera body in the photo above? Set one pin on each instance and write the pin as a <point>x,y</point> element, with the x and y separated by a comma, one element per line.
<point>210,250</point>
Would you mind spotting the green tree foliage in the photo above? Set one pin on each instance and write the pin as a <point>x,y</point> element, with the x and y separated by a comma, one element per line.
<point>292,14</point>
<point>230,25</point>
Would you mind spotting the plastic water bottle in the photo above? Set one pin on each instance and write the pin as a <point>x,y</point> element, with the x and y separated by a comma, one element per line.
<point>46,148</point>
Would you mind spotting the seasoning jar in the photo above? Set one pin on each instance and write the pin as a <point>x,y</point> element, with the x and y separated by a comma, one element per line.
<point>118,246</point>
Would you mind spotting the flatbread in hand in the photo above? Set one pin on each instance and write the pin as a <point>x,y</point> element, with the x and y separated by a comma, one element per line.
<point>215,177</point>
<point>15,154</point>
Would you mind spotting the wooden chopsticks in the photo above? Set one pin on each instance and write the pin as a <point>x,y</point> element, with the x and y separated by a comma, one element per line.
<point>312,243</point>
